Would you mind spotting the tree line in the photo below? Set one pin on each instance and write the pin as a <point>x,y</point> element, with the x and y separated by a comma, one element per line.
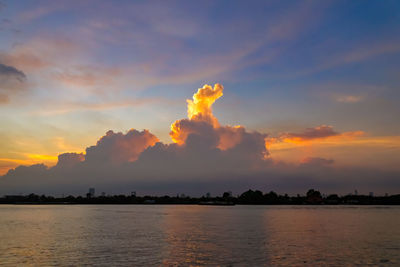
<point>250,197</point>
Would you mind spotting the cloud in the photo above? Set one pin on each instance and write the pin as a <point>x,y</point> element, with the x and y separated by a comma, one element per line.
<point>349,99</point>
<point>58,68</point>
<point>316,161</point>
<point>318,133</point>
<point>117,148</point>
<point>80,59</point>
<point>39,53</point>
<point>12,80</point>
<point>204,155</point>
<point>68,160</point>
<point>66,107</point>
<point>9,71</point>
<point>87,76</point>
<point>202,122</point>
<point>38,12</point>
<point>71,67</point>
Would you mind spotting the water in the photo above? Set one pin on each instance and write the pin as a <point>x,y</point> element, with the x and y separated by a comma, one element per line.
<point>154,235</point>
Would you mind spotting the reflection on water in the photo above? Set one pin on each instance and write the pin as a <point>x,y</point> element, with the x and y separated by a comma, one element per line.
<point>199,235</point>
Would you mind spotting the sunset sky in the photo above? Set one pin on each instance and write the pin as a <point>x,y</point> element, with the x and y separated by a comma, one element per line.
<point>293,94</point>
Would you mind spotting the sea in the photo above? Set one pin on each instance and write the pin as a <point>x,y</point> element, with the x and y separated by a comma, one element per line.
<point>194,235</point>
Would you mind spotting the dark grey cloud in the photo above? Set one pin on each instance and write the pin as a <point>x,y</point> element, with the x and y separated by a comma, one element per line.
<point>317,161</point>
<point>12,81</point>
<point>11,72</point>
<point>137,160</point>
<point>68,160</point>
<point>322,131</point>
<point>194,168</point>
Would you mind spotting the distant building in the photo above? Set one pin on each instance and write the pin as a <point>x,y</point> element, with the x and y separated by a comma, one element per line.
<point>208,195</point>
<point>371,194</point>
<point>133,194</point>
<point>91,192</point>
<point>356,192</point>
<point>103,194</point>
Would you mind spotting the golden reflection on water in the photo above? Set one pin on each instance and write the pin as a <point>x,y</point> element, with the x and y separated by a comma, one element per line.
<point>154,235</point>
<point>31,233</point>
<point>203,235</point>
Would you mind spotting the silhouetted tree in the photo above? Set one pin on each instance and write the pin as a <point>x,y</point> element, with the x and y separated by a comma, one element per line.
<point>271,198</point>
<point>227,195</point>
<point>333,199</point>
<point>314,197</point>
<point>251,197</point>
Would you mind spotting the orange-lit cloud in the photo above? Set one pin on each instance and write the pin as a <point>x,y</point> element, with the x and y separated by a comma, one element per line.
<point>200,107</point>
<point>201,121</point>
<point>8,164</point>
<point>347,149</point>
<point>230,136</point>
<point>311,143</point>
<point>322,132</point>
<point>117,148</point>
<point>203,150</point>
<point>199,113</point>
<point>113,148</point>
<point>26,159</point>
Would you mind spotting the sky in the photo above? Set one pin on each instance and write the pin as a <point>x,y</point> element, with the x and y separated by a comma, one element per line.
<point>199,96</point>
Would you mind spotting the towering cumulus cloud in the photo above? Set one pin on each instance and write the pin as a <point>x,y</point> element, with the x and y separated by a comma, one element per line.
<point>199,113</point>
<point>204,156</point>
<point>200,107</point>
<point>203,123</point>
<point>116,148</point>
